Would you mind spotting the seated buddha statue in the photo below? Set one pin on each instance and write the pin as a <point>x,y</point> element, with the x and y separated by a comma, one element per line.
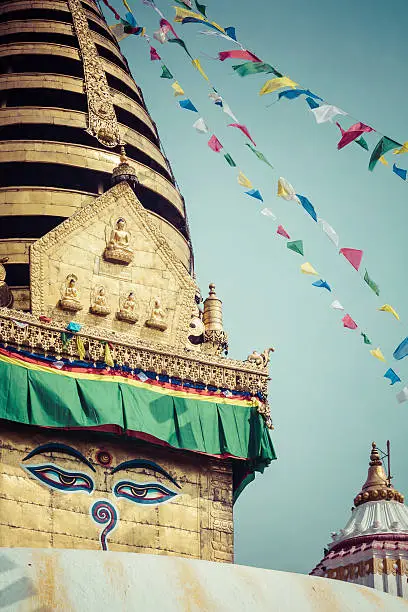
<point>127,310</point>
<point>70,295</point>
<point>99,305</point>
<point>157,317</point>
<point>118,249</point>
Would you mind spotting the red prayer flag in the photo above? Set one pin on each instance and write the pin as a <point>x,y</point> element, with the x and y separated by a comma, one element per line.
<point>244,130</point>
<point>153,54</point>
<point>238,54</point>
<point>214,144</point>
<point>352,133</point>
<point>166,25</point>
<point>348,322</point>
<point>282,232</point>
<point>354,256</point>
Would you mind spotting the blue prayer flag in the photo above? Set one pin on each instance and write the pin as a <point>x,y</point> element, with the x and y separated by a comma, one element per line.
<point>312,103</point>
<point>74,327</point>
<point>393,376</point>
<point>402,350</point>
<point>291,94</point>
<point>230,31</point>
<point>254,193</point>
<point>307,206</point>
<point>400,172</point>
<point>188,105</point>
<point>322,283</point>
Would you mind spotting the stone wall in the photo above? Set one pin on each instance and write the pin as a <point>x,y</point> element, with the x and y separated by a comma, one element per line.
<point>182,506</point>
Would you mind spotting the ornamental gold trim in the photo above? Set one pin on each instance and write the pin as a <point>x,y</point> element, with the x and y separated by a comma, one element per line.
<point>352,571</point>
<point>102,122</point>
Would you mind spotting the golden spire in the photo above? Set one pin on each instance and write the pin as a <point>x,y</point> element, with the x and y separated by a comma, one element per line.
<point>124,171</point>
<point>377,486</point>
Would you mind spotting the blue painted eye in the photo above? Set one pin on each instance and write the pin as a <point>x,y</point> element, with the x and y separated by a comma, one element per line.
<point>55,477</point>
<point>149,493</point>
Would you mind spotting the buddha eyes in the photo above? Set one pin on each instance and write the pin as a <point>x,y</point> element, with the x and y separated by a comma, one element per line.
<point>57,478</point>
<point>149,493</point>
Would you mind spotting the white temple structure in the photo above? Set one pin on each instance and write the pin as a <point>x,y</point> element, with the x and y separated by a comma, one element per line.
<point>372,549</point>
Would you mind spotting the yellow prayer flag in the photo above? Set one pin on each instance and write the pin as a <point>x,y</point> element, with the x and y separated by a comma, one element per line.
<point>108,356</point>
<point>178,91</point>
<point>127,6</point>
<point>196,64</point>
<point>403,149</point>
<point>278,83</point>
<point>377,354</point>
<point>182,13</point>
<point>244,181</point>
<point>388,308</point>
<point>80,347</point>
<point>217,26</point>
<point>307,268</point>
<point>383,160</point>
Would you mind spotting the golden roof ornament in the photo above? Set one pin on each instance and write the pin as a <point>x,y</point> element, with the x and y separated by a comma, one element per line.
<point>377,487</point>
<point>215,338</point>
<point>124,171</point>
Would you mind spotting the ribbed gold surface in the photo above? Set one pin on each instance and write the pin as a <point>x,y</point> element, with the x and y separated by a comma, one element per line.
<point>44,134</point>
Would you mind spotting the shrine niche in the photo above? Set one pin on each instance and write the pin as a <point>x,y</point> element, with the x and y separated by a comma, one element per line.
<point>112,255</point>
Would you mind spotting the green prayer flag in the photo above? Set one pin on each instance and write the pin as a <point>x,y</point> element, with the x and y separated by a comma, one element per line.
<point>384,145</point>
<point>254,68</point>
<point>371,283</point>
<point>201,8</point>
<point>229,160</point>
<point>166,74</point>
<point>296,246</point>
<point>366,338</point>
<point>259,155</point>
<point>180,42</point>
<point>362,142</point>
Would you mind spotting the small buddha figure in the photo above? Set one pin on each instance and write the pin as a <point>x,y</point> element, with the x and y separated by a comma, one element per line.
<point>70,295</point>
<point>99,305</point>
<point>118,249</point>
<point>157,317</point>
<point>127,310</point>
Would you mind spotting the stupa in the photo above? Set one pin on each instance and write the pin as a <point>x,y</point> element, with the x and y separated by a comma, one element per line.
<point>372,549</point>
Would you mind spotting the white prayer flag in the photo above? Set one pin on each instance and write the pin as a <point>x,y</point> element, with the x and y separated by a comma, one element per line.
<point>200,126</point>
<point>336,305</point>
<point>330,232</point>
<point>402,396</point>
<point>228,111</point>
<point>142,376</point>
<point>326,112</point>
<point>268,213</point>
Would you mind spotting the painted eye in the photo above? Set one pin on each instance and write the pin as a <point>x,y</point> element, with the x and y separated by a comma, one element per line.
<point>149,493</point>
<point>57,478</point>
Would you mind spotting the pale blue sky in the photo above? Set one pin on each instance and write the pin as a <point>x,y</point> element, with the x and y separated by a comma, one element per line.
<point>327,394</point>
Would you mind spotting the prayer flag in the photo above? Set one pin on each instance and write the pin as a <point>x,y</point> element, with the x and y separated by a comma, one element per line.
<point>348,322</point>
<point>182,13</point>
<point>108,356</point>
<point>377,354</point>
<point>383,160</point>
<point>200,126</point>
<point>182,44</point>
<point>259,155</point>
<point>118,30</point>
<point>178,91</point>
<point>402,350</point>
<point>352,133</point>
<point>371,283</point>
<point>196,64</point>
<point>402,396</point>
<point>366,338</point>
<point>336,305</point>
<point>399,171</point>
<point>80,347</point>
<point>362,142</point>
<point>390,309</point>
<point>384,144</point>
<point>323,284</point>
<point>199,19</point>
<point>238,54</point>
<point>307,206</point>
<point>188,105</point>
<point>230,31</point>
<point>160,35</point>
<point>200,7</point>
<point>286,191</point>
<point>214,144</point>
<point>282,232</point>
<point>326,112</point>
<point>266,212</point>
<point>154,55</point>
<point>228,111</point>
<point>166,74</point>
<point>296,246</point>
<point>117,16</point>
<point>167,27</point>
<point>330,232</point>
<point>244,130</point>
<point>244,181</point>
<point>354,256</point>
<point>403,149</point>
<point>74,327</point>
<point>307,268</point>
<point>292,94</point>
<point>229,160</point>
<point>312,103</point>
<point>275,84</point>
<point>392,376</point>
<point>254,68</point>
<point>216,98</point>
<point>255,193</point>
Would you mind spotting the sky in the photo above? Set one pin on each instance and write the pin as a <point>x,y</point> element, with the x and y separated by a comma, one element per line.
<point>327,394</point>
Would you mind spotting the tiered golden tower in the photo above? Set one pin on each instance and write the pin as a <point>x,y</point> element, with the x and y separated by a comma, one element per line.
<point>123,424</point>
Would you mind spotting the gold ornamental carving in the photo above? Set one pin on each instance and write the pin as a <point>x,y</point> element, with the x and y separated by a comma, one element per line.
<point>102,122</point>
<point>352,571</point>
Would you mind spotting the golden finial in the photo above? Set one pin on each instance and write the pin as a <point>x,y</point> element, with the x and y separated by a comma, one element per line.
<point>124,171</point>
<point>215,338</point>
<point>123,157</point>
<point>377,487</point>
